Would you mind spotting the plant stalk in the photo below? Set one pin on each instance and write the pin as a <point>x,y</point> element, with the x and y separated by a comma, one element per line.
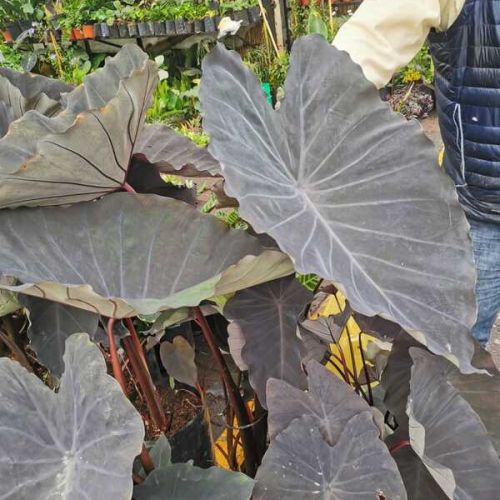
<point>145,383</point>
<point>115,361</point>
<point>8,337</point>
<point>135,338</point>
<point>330,15</point>
<point>234,396</point>
<point>400,444</point>
<point>146,460</point>
<point>127,187</point>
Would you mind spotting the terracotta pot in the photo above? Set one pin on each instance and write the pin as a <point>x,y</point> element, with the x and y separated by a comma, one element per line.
<point>14,30</point>
<point>7,37</point>
<point>88,31</point>
<point>77,34</point>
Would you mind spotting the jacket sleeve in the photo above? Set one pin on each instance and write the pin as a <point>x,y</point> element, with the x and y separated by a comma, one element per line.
<point>384,35</point>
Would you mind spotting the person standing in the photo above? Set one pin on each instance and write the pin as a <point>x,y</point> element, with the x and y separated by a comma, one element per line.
<point>464,41</point>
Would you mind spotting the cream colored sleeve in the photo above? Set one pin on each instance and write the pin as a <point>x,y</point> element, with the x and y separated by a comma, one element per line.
<point>384,35</point>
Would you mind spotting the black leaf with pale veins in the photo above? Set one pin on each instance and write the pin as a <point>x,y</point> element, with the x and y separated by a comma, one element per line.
<point>348,188</point>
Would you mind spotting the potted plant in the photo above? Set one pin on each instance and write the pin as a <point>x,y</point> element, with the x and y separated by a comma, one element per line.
<point>132,29</point>
<point>181,27</point>
<point>6,35</point>
<point>198,26</point>
<point>145,29</point>
<point>88,30</point>
<point>77,33</point>
<point>339,199</point>
<point>210,24</point>
<point>159,28</point>
<point>170,27</point>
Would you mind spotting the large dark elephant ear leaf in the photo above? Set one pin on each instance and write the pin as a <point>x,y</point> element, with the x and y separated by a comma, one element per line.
<point>86,255</point>
<point>448,435</point>
<point>50,326</point>
<point>300,464</point>
<point>396,379</point>
<point>349,189</point>
<point>74,445</point>
<point>482,392</point>
<point>84,151</point>
<point>25,91</point>
<point>267,316</point>
<point>184,481</point>
<point>418,481</point>
<point>173,153</point>
<point>6,118</point>
<point>330,402</point>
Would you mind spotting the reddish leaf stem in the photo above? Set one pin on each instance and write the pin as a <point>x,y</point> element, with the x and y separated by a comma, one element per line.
<point>115,361</point>
<point>234,395</point>
<point>400,444</point>
<point>146,460</point>
<point>145,383</point>
<point>145,457</point>
<point>127,187</point>
<point>135,338</point>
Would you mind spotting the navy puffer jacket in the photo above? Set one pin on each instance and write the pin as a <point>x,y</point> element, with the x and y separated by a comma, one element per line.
<point>467,63</point>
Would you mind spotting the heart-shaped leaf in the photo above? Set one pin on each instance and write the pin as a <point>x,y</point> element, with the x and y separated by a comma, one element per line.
<point>161,452</point>
<point>76,444</point>
<point>84,151</point>
<point>184,481</point>
<point>267,316</point>
<point>50,326</point>
<point>300,464</point>
<point>448,435</point>
<point>349,189</point>
<point>178,359</point>
<point>396,379</point>
<point>127,254</point>
<point>330,402</point>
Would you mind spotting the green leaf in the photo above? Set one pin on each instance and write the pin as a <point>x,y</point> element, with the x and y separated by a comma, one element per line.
<point>315,24</point>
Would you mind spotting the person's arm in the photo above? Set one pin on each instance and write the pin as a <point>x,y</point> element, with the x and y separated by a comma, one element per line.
<point>384,35</point>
